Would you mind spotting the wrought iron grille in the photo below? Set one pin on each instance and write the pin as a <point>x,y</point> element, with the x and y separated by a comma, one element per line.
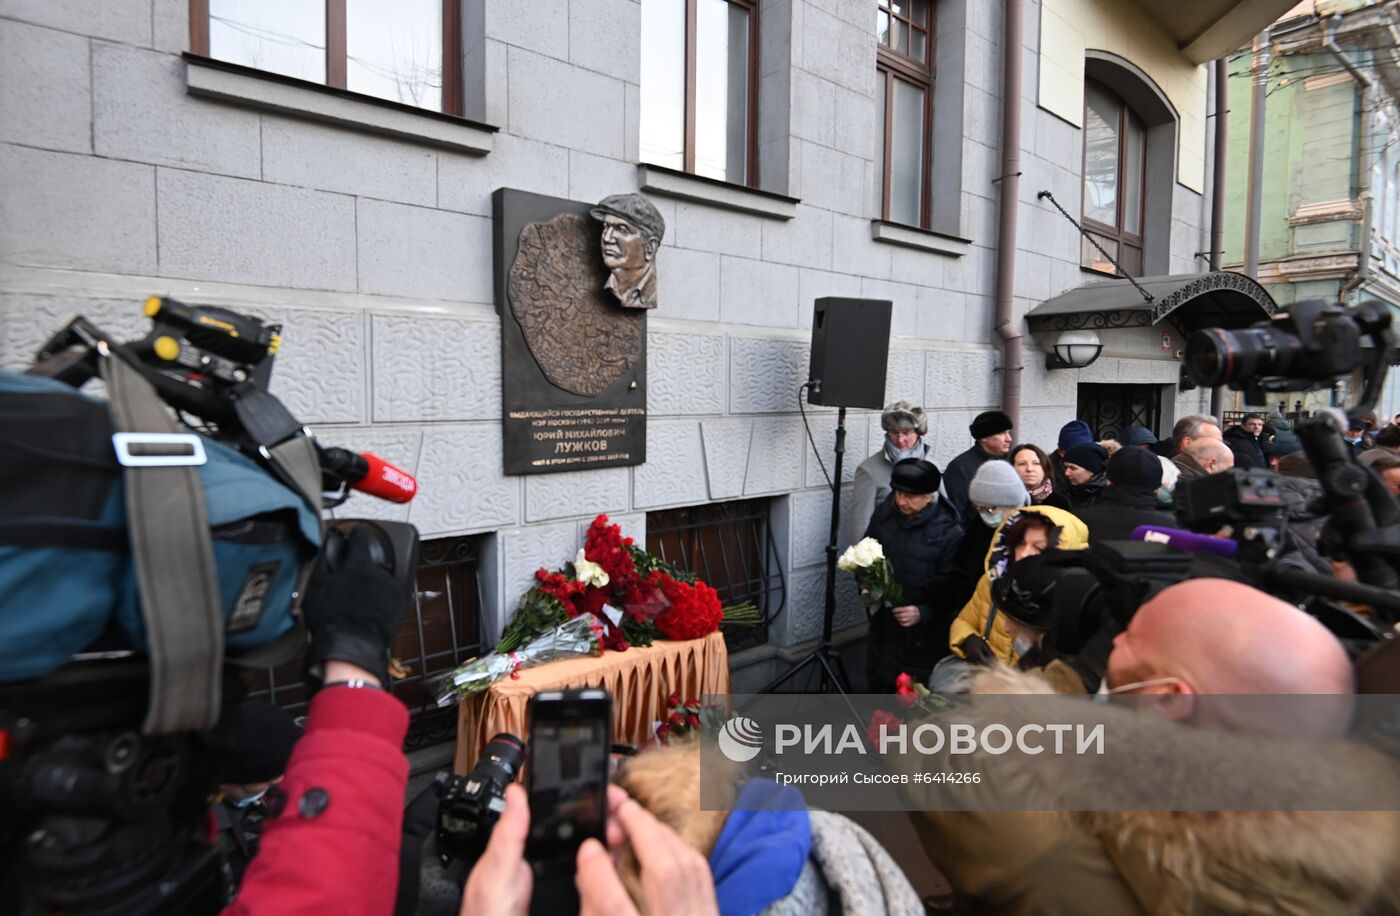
<point>730,546</point>
<point>443,631</point>
<point>1111,409</point>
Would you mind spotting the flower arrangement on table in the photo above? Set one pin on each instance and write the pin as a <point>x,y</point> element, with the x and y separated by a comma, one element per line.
<point>626,595</point>
<point>874,575</point>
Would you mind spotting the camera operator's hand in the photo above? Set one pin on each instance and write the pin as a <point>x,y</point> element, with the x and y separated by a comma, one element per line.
<point>353,610</point>
<point>976,650</point>
<point>676,878</point>
<point>501,881</point>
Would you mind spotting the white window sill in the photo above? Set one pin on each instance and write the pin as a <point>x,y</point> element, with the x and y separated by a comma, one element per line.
<point>922,239</point>
<point>721,194</point>
<point>271,92</point>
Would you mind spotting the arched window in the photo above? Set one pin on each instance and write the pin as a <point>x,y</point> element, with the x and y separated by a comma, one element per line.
<point>1115,161</point>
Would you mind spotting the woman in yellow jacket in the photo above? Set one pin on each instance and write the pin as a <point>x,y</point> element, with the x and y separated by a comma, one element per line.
<point>1029,531</point>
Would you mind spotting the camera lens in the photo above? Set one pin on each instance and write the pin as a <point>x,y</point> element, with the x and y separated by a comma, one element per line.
<point>500,760</point>
<point>1218,357</point>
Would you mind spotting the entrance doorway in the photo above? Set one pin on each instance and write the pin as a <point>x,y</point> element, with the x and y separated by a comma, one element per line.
<point>1111,409</point>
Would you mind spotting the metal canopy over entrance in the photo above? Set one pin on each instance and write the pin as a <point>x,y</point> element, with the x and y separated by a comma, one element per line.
<point>1188,302</point>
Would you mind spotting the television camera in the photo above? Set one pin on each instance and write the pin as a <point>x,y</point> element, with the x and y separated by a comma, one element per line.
<point>100,812</point>
<point>1236,524</point>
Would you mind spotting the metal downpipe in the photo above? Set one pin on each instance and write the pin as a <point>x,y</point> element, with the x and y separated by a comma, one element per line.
<point>1006,326</point>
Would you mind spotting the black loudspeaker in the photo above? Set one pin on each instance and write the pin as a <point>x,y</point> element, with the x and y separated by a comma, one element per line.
<point>850,350</point>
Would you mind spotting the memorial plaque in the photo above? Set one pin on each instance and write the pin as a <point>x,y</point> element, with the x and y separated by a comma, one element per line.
<point>573,328</point>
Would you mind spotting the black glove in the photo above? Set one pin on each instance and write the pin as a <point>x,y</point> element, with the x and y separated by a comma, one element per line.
<point>976,650</point>
<point>352,607</point>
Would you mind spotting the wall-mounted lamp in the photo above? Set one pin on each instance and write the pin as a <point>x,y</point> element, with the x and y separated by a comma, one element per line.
<point>1074,350</point>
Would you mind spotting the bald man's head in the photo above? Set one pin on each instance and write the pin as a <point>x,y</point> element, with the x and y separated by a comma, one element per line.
<point>1223,637</point>
<point>1212,455</point>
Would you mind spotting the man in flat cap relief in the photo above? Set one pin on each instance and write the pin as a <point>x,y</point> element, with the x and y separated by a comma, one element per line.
<point>632,231</point>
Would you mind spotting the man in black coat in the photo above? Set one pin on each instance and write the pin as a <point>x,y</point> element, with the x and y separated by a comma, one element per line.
<point>1244,440</point>
<point>1130,500</point>
<point>992,432</point>
<point>920,535</point>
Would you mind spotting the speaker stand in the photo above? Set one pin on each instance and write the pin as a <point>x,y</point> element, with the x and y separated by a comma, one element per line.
<point>831,670</point>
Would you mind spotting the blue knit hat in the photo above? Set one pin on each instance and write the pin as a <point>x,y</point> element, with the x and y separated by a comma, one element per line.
<point>1075,432</point>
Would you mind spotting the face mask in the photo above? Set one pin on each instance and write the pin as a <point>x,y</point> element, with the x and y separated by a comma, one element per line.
<point>248,801</point>
<point>1022,644</point>
<point>989,518</point>
<point>1104,692</point>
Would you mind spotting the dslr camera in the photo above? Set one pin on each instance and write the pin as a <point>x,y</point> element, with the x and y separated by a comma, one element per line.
<point>470,805</point>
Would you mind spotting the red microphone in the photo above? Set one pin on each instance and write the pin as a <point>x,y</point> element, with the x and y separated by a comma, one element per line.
<point>384,480</point>
<point>368,473</point>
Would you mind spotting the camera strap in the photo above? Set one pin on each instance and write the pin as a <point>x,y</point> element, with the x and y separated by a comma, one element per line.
<point>171,551</point>
<point>282,441</point>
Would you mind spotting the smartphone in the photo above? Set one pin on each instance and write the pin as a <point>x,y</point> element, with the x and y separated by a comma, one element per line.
<point>570,743</point>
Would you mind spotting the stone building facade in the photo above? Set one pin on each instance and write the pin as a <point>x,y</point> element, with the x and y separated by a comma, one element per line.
<point>131,166</point>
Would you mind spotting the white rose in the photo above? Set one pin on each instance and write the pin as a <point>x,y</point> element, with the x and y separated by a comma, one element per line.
<point>588,572</point>
<point>847,561</point>
<point>868,551</point>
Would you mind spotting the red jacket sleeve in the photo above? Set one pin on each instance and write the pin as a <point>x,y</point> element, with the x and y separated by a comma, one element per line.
<point>335,846</point>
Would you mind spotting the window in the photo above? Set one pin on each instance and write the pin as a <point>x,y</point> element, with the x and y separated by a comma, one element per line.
<point>408,51</point>
<point>904,83</point>
<point>699,87</point>
<point>439,632</point>
<point>730,547</point>
<point>1115,159</point>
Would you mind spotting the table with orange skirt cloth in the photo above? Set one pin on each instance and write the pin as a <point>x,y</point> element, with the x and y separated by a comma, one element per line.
<point>639,680</point>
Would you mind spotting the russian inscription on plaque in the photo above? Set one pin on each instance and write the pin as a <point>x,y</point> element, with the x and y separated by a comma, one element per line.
<point>573,284</point>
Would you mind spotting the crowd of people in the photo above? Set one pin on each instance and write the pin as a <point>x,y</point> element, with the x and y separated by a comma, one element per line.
<point>950,536</point>
<point>311,820</point>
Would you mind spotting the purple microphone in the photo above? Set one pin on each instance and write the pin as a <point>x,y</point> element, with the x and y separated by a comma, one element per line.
<point>1189,541</point>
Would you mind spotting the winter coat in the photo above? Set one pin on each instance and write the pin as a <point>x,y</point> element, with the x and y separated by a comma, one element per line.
<point>1084,495</point>
<point>1306,515</point>
<point>1120,510</point>
<point>870,487</point>
<point>1053,862</point>
<point>335,846</point>
<point>848,871</point>
<point>957,478</point>
<point>1248,452</point>
<point>923,551</point>
<point>1188,467</point>
<point>1069,533</point>
<point>1056,500</point>
<point>777,858</point>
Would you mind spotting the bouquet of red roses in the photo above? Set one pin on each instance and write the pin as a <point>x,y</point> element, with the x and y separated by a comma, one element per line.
<point>636,596</point>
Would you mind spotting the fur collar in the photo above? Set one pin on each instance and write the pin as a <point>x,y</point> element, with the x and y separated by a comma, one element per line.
<point>1229,858</point>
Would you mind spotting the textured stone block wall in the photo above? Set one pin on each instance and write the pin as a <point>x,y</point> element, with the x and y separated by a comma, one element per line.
<point>374,252</point>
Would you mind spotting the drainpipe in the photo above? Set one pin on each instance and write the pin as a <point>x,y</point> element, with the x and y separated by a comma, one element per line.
<point>1007,328</point>
<point>1217,193</point>
<point>1256,154</point>
<point>1363,173</point>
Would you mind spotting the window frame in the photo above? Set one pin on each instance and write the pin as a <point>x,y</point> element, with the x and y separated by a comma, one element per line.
<point>337,64</point>
<point>692,28</point>
<point>889,66</point>
<point>1118,234</point>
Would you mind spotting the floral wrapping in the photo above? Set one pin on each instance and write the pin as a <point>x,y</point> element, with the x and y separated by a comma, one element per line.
<point>580,636</point>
